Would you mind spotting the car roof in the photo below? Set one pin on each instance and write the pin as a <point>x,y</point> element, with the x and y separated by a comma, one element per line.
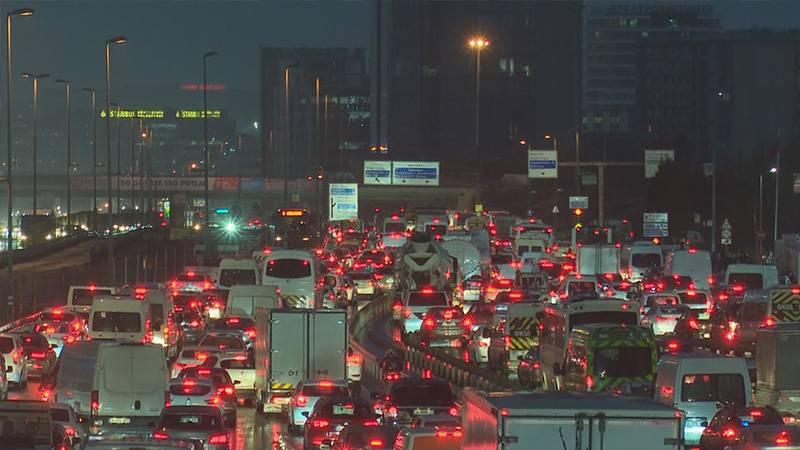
<point>195,409</point>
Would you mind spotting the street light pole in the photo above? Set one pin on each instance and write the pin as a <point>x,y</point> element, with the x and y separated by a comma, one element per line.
<point>119,150</point>
<point>35,79</point>
<point>24,12</point>
<point>68,86</point>
<point>117,40</point>
<point>478,43</point>
<point>206,158</point>
<point>93,97</point>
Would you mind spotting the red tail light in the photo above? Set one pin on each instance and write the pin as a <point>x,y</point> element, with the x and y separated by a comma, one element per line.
<point>38,355</point>
<point>673,346</point>
<point>251,333</point>
<point>782,438</point>
<point>429,323</point>
<point>738,288</point>
<point>167,398</point>
<point>729,433</point>
<point>218,439</point>
<point>467,322</point>
<point>320,423</point>
<point>692,322</point>
<point>354,359</point>
<point>769,322</point>
<point>397,306</point>
<point>370,423</point>
<point>160,436</point>
<point>95,403</point>
<point>377,443</point>
<point>589,382</point>
<point>300,401</point>
<point>453,411</point>
<point>427,291</point>
<point>723,296</point>
<point>796,291</point>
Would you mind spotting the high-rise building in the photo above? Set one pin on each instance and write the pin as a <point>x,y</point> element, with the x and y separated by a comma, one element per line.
<point>529,77</point>
<point>613,34</point>
<point>326,109</point>
<point>732,92</point>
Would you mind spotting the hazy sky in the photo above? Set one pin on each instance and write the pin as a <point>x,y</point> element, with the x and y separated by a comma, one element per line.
<point>167,40</point>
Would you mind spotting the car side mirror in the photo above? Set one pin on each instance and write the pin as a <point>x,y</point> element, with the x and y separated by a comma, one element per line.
<point>704,423</point>
<point>304,414</point>
<point>235,382</point>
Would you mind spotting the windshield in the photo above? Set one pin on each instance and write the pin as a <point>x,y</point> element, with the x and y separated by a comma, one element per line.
<point>433,299</point>
<point>724,388</point>
<point>232,277</point>
<point>612,317</point>
<point>394,227</point>
<point>117,322</point>
<point>623,361</point>
<point>289,268</point>
<point>645,260</point>
<point>34,341</point>
<point>191,278</point>
<point>748,280</point>
<point>422,395</point>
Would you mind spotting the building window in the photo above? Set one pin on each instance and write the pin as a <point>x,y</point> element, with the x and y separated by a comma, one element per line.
<point>526,71</point>
<point>598,121</point>
<point>503,65</point>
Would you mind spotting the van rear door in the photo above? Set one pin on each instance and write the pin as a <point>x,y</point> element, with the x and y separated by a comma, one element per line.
<point>328,344</point>
<point>288,336</point>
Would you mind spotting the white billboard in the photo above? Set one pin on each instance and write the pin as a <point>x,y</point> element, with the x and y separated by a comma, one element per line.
<point>343,201</point>
<point>378,172</point>
<point>415,173</point>
<point>654,158</point>
<point>542,164</point>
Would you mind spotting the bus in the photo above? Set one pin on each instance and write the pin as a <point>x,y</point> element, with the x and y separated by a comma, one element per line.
<point>558,321</point>
<point>293,228</point>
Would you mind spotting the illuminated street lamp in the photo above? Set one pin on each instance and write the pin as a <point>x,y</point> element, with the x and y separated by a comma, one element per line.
<point>548,137</point>
<point>68,87</point>
<point>35,78</point>
<point>206,55</point>
<point>116,40</point>
<point>477,44</point>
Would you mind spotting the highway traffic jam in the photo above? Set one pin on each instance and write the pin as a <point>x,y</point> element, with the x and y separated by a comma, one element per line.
<point>419,330</point>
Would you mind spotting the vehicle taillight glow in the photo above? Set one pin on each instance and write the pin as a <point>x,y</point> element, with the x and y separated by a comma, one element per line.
<point>692,322</point>
<point>729,433</point>
<point>95,402</point>
<point>453,411</point>
<point>467,322</point>
<point>300,401</point>
<point>796,291</point>
<point>251,333</point>
<point>769,322</point>
<point>738,288</point>
<point>673,346</point>
<point>38,355</point>
<point>589,382</point>
<point>218,439</point>
<point>782,438</point>
<point>427,291</point>
<point>377,443</point>
<point>160,436</point>
<point>320,423</point>
<point>429,323</point>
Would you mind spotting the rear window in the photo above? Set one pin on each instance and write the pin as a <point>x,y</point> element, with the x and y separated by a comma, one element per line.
<point>502,259</point>
<point>394,227</point>
<point>192,354</point>
<point>748,280</point>
<point>645,260</point>
<point>723,388</point>
<point>247,363</point>
<point>51,316</point>
<point>191,278</point>
<point>189,389</point>
<point>6,345</point>
<point>433,299</point>
<point>345,410</point>
<point>422,395</point>
<point>34,340</point>
<point>693,298</point>
<point>320,391</point>
<point>289,268</point>
<point>59,415</point>
<point>84,297</point>
<point>222,341</point>
<point>200,422</point>
<point>232,277</point>
<point>582,287</point>
<point>232,323</point>
<point>117,322</point>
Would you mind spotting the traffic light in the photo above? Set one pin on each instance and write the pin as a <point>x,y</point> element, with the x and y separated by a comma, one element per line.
<point>578,212</point>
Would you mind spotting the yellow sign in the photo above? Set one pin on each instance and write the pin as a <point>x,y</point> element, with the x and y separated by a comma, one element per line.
<point>135,114</point>
<point>478,208</point>
<point>197,114</point>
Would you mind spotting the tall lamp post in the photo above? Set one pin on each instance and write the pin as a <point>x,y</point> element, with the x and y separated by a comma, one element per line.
<point>68,87</point>
<point>93,97</point>
<point>478,43</point>
<point>35,78</point>
<point>117,40</point>
<point>206,55</point>
<point>24,12</point>
<point>119,150</point>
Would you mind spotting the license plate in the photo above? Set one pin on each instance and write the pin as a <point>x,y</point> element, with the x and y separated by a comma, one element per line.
<point>119,420</point>
<point>448,323</point>
<point>423,411</point>
<point>703,316</point>
<point>281,400</point>
<point>706,335</point>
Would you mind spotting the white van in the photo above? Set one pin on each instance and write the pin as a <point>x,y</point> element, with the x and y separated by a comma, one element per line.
<point>690,262</point>
<point>639,258</point>
<point>80,298</point>
<point>131,385</point>
<point>243,300</point>
<point>161,306</point>
<point>237,271</point>
<point>394,232</point>
<point>293,272</point>
<point>752,276</point>
<point>696,383</point>
<point>119,318</point>
<point>76,366</point>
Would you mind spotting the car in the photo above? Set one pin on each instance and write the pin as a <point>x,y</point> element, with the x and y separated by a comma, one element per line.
<point>506,264</point>
<point>56,315</point>
<point>41,357</point>
<point>192,324</point>
<point>472,289</point>
<point>443,326</point>
<point>415,304</point>
<point>64,415</point>
<point>478,345</point>
<point>242,370</point>
<point>238,325</point>
<point>410,397</point>
<point>496,286</point>
<point>751,428</point>
<point>363,284</point>
<point>365,438</point>
<point>223,340</point>
<point>191,282</point>
<point>353,368</point>
<point>329,416</point>
<point>224,388</point>
<point>192,356</point>
<point>480,314</point>
<point>16,361</point>
<point>59,334</point>
<point>199,424</point>
<point>189,391</point>
<point>306,395</point>
<point>529,370</point>
<point>663,315</point>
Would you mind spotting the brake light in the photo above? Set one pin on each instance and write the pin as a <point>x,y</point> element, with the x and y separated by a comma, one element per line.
<point>429,323</point>
<point>200,356</point>
<point>376,443</point>
<point>729,433</point>
<point>160,436</point>
<point>691,293</point>
<point>218,439</point>
<point>392,376</point>
<point>515,295</point>
<point>227,390</point>
<point>300,401</point>
<point>692,322</point>
<point>370,423</point>
<point>204,372</point>
<point>723,296</point>
<point>167,398</point>
<point>38,355</point>
<point>427,291</point>
<point>692,250</point>
<point>453,411</point>
<point>251,333</point>
<point>712,280</point>
<point>139,293</point>
<point>782,438</point>
<point>589,382</point>
<point>320,423</point>
<point>95,402</point>
<point>796,290</point>
<point>673,346</point>
<point>738,288</point>
<point>215,400</point>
